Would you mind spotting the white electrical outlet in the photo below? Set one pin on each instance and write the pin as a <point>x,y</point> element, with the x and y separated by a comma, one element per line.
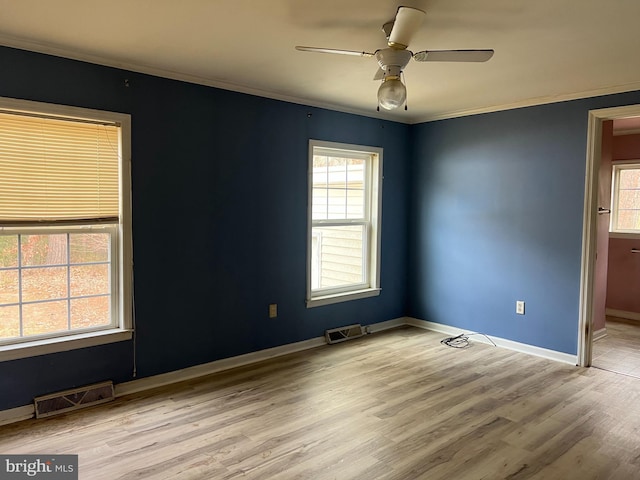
<point>520,307</point>
<point>273,310</point>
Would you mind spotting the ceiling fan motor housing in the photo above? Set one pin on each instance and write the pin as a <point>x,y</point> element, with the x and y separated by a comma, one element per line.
<point>390,57</point>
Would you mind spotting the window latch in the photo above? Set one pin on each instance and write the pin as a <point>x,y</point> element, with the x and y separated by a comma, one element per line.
<point>603,211</point>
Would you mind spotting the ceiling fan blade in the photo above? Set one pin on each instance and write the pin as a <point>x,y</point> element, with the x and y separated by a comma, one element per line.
<point>333,50</point>
<point>453,55</point>
<point>407,22</point>
<point>379,74</point>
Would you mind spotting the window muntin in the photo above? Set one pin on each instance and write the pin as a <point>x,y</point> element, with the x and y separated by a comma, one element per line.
<point>344,220</point>
<point>625,202</point>
<point>65,245</point>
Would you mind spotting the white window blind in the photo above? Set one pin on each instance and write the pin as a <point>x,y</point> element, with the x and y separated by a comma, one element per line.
<point>57,169</point>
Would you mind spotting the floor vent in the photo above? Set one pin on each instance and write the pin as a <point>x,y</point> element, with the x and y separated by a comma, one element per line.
<point>75,399</point>
<point>337,335</point>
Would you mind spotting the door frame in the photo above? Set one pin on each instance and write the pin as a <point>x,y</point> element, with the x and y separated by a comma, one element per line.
<point>588,261</point>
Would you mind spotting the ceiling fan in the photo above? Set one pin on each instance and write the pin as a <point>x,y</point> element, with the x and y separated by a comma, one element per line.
<point>393,59</point>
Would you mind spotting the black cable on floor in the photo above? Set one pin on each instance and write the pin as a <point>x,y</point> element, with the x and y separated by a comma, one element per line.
<point>462,340</point>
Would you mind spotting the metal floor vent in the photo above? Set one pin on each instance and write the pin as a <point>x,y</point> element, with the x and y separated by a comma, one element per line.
<point>341,334</point>
<point>69,400</point>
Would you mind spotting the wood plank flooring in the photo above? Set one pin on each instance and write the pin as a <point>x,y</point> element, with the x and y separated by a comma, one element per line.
<point>395,405</point>
<point>619,351</point>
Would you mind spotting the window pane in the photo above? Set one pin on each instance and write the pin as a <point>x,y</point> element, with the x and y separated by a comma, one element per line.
<point>336,171</point>
<point>337,203</point>
<point>89,280</point>
<point>629,199</point>
<point>46,317</point>
<point>337,256</point>
<point>90,312</point>
<point>630,178</point>
<point>9,287</point>
<point>8,250</point>
<point>355,203</point>
<point>319,210</point>
<point>9,322</point>
<point>338,188</point>
<point>628,206</point>
<point>44,283</point>
<point>320,170</point>
<point>629,220</point>
<point>44,249</point>
<point>355,186</point>
<point>89,247</point>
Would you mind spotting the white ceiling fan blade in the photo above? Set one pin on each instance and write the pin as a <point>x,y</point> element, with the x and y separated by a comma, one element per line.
<point>453,55</point>
<point>407,22</point>
<point>333,50</point>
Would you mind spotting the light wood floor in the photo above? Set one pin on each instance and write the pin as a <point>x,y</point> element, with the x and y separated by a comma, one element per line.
<point>619,351</point>
<point>394,405</point>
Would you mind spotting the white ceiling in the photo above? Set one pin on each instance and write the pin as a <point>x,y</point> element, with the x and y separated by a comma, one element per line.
<point>546,50</point>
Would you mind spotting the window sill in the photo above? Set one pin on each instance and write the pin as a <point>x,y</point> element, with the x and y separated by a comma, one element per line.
<point>62,344</point>
<point>628,235</point>
<point>342,297</point>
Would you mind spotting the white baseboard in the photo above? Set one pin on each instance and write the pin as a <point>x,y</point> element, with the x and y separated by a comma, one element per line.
<point>622,314</point>
<point>389,324</point>
<point>27,411</point>
<point>196,371</point>
<point>500,342</point>
<point>17,414</point>
<point>598,334</point>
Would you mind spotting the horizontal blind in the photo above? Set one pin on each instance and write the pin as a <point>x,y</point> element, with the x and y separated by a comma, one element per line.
<point>57,169</point>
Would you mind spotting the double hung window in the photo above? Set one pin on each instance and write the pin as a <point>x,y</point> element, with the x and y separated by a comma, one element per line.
<point>344,222</point>
<point>65,239</point>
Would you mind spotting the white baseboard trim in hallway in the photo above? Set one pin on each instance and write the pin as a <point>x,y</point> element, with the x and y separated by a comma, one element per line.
<point>598,334</point>
<point>622,314</point>
<point>27,411</point>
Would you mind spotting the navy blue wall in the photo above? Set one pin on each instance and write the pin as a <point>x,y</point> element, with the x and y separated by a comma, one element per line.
<point>219,221</point>
<point>478,212</point>
<point>496,216</point>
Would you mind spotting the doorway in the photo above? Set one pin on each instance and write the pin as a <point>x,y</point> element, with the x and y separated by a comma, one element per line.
<point>591,274</point>
<point>619,350</point>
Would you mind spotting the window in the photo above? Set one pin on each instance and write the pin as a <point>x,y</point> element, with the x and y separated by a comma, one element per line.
<point>65,236</point>
<point>625,202</point>
<point>344,222</point>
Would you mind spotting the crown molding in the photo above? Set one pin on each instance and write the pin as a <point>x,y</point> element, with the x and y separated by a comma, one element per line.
<point>532,102</point>
<point>58,51</point>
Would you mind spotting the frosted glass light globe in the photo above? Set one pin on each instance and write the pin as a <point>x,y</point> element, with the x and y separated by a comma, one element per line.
<point>391,94</point>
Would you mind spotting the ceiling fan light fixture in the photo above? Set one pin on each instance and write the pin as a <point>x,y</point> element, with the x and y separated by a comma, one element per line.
<point>392,93</point>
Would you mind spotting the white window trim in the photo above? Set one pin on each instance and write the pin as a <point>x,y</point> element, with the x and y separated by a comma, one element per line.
<point>124,264</point>
<point>372,268</point>
<point>615,181</point>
